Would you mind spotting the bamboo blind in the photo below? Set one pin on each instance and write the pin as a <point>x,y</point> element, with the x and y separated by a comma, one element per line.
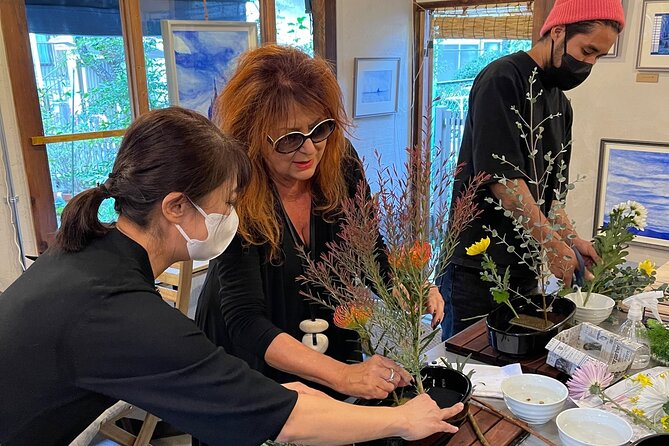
<point>502,21</point>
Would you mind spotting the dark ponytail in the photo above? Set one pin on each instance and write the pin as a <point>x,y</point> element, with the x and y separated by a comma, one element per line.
<point>163,151</point>
<point>79,221</point>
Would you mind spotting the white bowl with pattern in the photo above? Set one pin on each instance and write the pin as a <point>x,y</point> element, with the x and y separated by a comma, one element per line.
<point>535,399</point>
<point>597,310</point>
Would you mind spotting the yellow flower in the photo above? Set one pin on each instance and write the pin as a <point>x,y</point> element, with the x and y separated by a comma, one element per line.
<point>665,422</point>
<point>644,380</point>
<point>634,399</point>
<point>638,412</point>
<point>647,267</point>
<point>479,247</point>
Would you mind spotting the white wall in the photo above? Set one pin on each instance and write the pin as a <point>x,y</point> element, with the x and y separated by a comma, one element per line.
<point>377,28</point>
<point>612,105</point>
<point>9,265</point>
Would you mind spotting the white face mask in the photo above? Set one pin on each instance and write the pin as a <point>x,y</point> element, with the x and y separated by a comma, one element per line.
<point>221,229</point>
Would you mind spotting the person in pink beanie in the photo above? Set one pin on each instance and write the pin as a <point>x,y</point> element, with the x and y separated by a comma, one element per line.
<point>575,35</point>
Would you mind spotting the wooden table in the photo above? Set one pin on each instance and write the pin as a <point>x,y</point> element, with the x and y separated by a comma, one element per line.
<point>474,341</point>
<point>499,432</point>
<point>662,274</point>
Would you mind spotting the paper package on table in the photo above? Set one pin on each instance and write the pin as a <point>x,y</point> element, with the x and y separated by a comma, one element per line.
<point>571,348</point>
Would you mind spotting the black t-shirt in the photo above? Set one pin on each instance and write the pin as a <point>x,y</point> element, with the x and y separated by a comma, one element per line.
<point>81,331</point>
<point>247,300</point>
<point>491,128</point>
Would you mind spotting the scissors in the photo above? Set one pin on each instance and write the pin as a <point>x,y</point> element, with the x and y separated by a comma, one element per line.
<point>579,273</point>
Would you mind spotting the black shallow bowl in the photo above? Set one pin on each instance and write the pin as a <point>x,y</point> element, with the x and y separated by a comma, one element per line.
<point>653,440</point>
<point>446,387</point>
<point>522,342</point>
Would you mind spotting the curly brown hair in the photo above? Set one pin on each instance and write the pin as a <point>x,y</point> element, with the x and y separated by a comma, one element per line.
<point>264,89</point>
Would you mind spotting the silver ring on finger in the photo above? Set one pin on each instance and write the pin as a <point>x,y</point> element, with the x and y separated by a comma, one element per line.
<point>392,376</point>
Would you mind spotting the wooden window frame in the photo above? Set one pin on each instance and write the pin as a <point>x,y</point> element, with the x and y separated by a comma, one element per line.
<point>14,26</point>
<point>421,117</point>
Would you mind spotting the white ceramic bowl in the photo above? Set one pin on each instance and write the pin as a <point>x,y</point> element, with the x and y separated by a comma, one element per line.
<point>597,310</point>
<point>592,427</point>
<point>535,399</point>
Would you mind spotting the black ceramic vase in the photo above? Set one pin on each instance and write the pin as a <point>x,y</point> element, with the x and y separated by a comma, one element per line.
<point>446,386</point>
<point>518,341</point>
<point>653,440</point>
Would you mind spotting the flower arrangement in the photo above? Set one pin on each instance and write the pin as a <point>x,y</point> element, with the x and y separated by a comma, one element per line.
<point>383,301</point>
<point>611,277</point>
<point>534,239</point>
<point>646,403</point>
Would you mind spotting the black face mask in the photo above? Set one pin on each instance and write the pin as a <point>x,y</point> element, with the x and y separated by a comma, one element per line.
<point>570,74</point>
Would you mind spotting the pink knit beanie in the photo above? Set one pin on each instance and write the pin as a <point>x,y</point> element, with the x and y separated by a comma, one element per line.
<point>566,12</point>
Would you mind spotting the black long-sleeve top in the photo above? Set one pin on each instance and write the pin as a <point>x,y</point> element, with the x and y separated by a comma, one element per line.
<point>80,331</point>
<point>247,300</point>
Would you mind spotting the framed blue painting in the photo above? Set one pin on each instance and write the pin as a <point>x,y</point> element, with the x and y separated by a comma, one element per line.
<point>375,86</point>
<point>199,58</point>
<point>638,171</point>
<point>654,39</point>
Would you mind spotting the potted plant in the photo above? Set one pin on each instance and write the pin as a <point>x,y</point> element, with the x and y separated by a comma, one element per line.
<point>384,300</point>
<point>523,325</point>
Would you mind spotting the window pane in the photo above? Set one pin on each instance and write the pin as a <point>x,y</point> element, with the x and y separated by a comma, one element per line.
<point>468,53</point>
<point>293,25</point>
<point>79,165</point>
<point>79,62</point>
<point>153,11</point>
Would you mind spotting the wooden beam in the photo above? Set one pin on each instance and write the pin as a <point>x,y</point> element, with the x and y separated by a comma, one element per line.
<point>421,75</point>
<point>324,13</point>
<point>14,27</point>
<point>41,140</point>
<point>541,10</point>
<point>131,23</point>
<point>267,21</point>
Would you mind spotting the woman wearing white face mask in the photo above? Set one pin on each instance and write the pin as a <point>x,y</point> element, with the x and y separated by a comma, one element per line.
<point>84,326</point>
<point>221,229</point>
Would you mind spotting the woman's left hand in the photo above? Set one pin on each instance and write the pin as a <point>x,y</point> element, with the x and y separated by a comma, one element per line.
<point>435,306</point>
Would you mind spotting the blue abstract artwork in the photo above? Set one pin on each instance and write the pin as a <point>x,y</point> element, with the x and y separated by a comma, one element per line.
<point>639,173</point>
<point>200,57</point>
<point>660,45</point>
<point>376,83</point>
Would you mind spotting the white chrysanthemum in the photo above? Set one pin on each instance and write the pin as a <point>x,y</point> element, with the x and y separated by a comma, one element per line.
<point>636,210</point>
<point>640,215</point>
<point>653,398</point>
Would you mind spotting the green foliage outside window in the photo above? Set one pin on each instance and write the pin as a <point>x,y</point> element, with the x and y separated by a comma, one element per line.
<point>98,101</point>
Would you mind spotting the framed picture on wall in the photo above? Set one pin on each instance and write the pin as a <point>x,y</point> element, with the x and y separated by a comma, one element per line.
<point>376,83</point>
<point>614,51</point>
<point>654,39</point>
<point>199,56</point>
<point>638,171</point>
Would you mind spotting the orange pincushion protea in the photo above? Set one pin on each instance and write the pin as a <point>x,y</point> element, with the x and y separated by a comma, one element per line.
<point>352,316</point>
<point>418,256</point>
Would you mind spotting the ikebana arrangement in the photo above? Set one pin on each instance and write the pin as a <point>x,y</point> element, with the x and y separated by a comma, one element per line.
<point>611,277</point>
<point>524,324</point>
<point>380,287</point>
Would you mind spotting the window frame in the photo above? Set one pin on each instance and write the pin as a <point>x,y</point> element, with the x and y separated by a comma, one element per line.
<point>421,116</point>
<point>14,26</point>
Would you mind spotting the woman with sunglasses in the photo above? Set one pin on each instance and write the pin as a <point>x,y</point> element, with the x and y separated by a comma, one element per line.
<point>84,326</point>
<point>287,108</point>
